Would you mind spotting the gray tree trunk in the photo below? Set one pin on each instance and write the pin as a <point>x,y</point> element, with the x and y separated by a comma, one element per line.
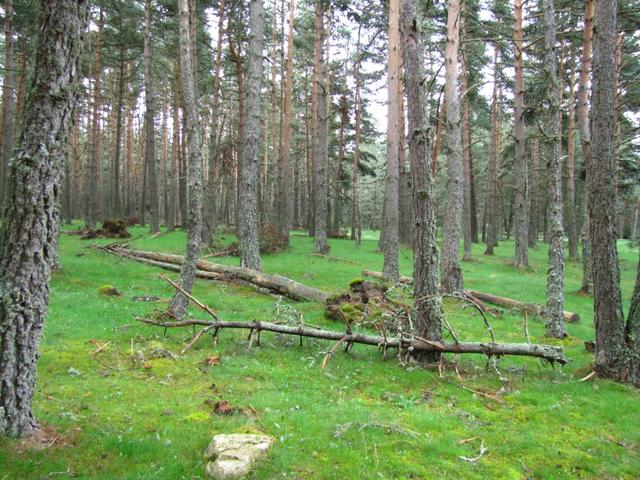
<point>534,192</point>
<point>555,264</point>
<point>570,196</point>
<point>320,154</point>
<point>179,302</point>
<point>452,280</point>
<point>391,269</point>
<point>149,122</point>
<point>8,102</point>
<point>428,305</point>
<point>467,211</point>
<point>520,168</point>
<point>491,208</point>
<point>29,232</point>
<point>617,354</point>
<point>248,171</point>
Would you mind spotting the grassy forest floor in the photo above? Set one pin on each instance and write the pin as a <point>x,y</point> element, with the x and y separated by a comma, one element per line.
<point>132,412</point>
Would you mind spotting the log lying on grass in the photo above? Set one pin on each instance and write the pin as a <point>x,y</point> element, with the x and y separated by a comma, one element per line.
<point>274,283</point>
<point>530,308</point>
<point>547,352</point>
<point>407,344</point>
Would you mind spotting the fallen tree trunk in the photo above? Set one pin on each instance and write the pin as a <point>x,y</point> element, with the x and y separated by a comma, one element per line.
<point>274,283</point>
<point>530,308</point>
<point>547,352</point>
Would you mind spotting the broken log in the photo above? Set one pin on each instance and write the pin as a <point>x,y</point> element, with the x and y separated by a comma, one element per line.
<point>531,308</point>
<point>547,352</point>
<point>274,283</point>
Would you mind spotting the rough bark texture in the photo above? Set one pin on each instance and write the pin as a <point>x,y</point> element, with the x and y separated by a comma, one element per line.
<point>248,194</point>
<point>428,305</point>
<point>92,203</point>
<point>8,101</point>
<point>320,154</point>
<point>355,214</point>
<point>150,128</point>
<point>585,134</point>
<point>29,232</point>
<point>492,216</point>
<point>570,195</point>
<point>194,167</point>
<point>452,280</point>
<point>390,268</point>
<point>467,211</point>
<point>520,166</point>
<point>555,264</point>
<point>616,354</point>
<point>283,207</point>
<point>534,192</point>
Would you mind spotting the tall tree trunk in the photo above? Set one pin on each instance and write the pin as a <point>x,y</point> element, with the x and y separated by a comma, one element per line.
<point>344,122</point>
<point>209,221</point>
<point>355,214</point>
<point>115,175</point>
<point>534,200</point>
<point>585,134</point>
<point>8,101</point>
<point>428,316</point>
<point>555,272</point>
<point>248,207</point>
<point>520,167</point>
<point>405,232</point>
<point>31,226</point>
<point>467,211</point>
<point>492,215</point>
<point>391,268</point>
<point>179,302</point>
<point>175,153</point>
<point>320,157</point>
<point>92,194</point>
<point>149,122</point>
<point>284,171</point>
<point>570,196</point>
<point>452,280</point>
<point>617,347</point>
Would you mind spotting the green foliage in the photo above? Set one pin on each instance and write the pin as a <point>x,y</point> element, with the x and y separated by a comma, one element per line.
<point>138,410</point>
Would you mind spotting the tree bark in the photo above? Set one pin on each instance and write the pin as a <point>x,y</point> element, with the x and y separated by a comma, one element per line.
<point>467,211</point>
<point>391,269</point>
<point>320,154</point>
<point>492,216</point>
<point>356,227</point>
<point>520,167</point>
<point>555,271</point>
<point>92,192</point>
<point>149,122</point>
<point>194,221</point>
<point>8,101</point>
<point>616,354</point>
<point>452,279</point>
<point>534,192</point>
<point>28,234</point>
<point>428,305</point>
<point>284,170</point>
<point>570,196</point>
<point>248,207</point>
<point>585,134</point>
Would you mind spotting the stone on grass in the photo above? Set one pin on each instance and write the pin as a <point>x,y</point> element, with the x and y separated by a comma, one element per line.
<point>232,456</point>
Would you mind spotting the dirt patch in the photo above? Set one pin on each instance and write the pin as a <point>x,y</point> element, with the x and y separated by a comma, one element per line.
<point>40,439</point>
<point>371,304</point>
<point>109,229</point>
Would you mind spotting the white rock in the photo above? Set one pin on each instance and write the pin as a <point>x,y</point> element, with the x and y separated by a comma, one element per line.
<point>233,455</point>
